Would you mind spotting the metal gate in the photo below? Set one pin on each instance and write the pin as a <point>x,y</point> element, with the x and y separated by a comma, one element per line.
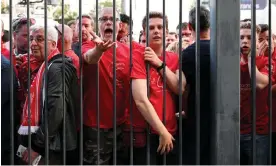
<point>225,81</point>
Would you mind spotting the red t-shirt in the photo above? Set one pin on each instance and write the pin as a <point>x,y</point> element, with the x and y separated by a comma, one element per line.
<point>156,91</point>
<point>106,86</point>
<point>274,98</point>
<point>261,99</point>
<point>75,59</point>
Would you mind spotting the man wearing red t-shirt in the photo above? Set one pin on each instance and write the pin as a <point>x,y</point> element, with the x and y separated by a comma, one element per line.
<point>245,103</point>
<point>68,41</point>
<point>151,109</point>
<point>99,54</point>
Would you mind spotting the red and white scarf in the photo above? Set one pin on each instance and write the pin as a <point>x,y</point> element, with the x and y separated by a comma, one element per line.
<point>35,103</point>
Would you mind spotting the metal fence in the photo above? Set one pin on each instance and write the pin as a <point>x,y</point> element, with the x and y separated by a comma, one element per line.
<point>224,62</point>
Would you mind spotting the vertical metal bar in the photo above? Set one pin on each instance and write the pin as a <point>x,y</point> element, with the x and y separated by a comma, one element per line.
<point>114,88</point>
<point>29,84</point>
<point>11,90</point>
<point>225,82</point>
<point>253,79</point>
<point>45,84</point>
<point>81,84</point>
<point>180,80</point>
<point>98,91</point>
<point>63,85</point>
<point>270,84</point>
<point>130,92</point>
<point>164,70</point>
<point>197,103</point>
<point>148,80</point>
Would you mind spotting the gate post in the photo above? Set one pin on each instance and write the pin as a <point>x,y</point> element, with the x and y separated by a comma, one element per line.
<point>225,81</point>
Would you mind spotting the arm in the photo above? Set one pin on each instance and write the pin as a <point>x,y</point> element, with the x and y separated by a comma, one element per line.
<point>139,90</point>
<point>262,80</point>
<point>172,79</point>
<point>93,55</point>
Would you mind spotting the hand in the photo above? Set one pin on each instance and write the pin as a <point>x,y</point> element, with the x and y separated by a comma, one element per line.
<point>96,38</point>
<point>103,46</point>
<point>262,48</point>
<point>19,60</point>
<point>165,143</point>
<point>151,57</point>
<point>25,156</point>
<point>183,114</point>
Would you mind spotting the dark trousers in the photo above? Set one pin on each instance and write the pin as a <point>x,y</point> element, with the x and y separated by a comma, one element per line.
<point>274,148</point>
<point>140,154</point>
<point>261,149</point>
<point>106,151</point>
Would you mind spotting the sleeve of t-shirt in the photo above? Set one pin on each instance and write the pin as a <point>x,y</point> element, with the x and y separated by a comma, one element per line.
<point>188,65</point>
<point>139,68</point>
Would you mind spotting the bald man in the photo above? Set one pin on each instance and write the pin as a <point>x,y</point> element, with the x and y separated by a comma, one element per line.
<point>68,40</point>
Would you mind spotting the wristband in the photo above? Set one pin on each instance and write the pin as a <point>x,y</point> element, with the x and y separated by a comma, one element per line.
<point>160,67</point>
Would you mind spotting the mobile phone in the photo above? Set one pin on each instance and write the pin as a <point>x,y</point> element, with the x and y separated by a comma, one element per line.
<point>20,150</point>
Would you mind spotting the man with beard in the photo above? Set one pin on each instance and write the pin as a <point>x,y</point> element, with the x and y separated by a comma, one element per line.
<point>100,54</point>
<point>262,117</point>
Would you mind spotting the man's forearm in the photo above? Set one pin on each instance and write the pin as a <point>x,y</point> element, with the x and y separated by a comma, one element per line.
<point>172,80</point>
<point>261,79</point>
<point>93,56</point>
<point>148,112</point>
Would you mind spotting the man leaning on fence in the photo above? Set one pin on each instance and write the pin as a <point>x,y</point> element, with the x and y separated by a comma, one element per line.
<point>53,101</point>
<point>100,54</point>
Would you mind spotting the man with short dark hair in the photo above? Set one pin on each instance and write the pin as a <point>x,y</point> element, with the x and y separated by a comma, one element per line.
<point>189,69</point>
<point>150,109</point>
<point>124,31</point>
<point>186,33</point>
<point>87,29</point>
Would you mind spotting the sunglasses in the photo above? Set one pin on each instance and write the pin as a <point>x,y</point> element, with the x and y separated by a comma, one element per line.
<point>22,21</point>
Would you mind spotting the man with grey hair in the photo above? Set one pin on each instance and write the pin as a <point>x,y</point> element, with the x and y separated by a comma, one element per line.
<point>100,52</point>
<point>54,100</point>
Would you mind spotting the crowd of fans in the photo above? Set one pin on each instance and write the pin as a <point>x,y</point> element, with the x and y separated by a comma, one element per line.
<point>43,99</point>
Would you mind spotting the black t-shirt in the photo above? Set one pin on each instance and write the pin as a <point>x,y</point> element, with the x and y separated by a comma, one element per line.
<point>189,128</point>
<point>189,69</point>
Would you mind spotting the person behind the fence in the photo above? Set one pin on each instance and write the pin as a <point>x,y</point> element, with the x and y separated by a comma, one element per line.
<point>262,67</point>
<point>263,39</point>
<point>274,103</point>
<point>101,55</point>
<point>124,31</point>
<point>54,100</point>
<point>185,33</point>
<point>86,29</point>
<point>72,25</point>
<point>68,41</point>
<point>5,42</point>
<point>6,107</point>
<point>142,38</point>
<point>171,37</point>
<point>189,69</point>
<point>151,109</point>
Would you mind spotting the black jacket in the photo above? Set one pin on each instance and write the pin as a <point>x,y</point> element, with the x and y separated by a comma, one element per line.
<point>55,107</point>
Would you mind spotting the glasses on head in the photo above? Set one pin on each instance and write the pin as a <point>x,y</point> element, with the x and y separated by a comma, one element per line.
<point>22,21</point>
<point>58,30</point>
<point>105,19</point>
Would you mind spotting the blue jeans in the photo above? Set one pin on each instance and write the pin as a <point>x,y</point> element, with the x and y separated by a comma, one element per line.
<point>261,149</point>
